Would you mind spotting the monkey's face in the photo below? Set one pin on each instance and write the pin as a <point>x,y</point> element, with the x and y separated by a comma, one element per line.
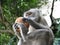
<point>32,14</point>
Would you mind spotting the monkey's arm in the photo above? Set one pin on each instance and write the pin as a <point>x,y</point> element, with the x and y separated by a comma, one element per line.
<point>23,31</point>
<point>35,24</point>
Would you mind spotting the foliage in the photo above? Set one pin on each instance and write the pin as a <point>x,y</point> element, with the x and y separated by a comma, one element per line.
<point>4,39</point>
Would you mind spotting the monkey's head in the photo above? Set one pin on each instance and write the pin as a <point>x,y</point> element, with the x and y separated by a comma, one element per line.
<point>20,20</point>
<point>33,14</point>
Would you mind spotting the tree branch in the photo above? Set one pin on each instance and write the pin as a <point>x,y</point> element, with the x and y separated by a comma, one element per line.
<point>52,19</point>
<point>7,31</point>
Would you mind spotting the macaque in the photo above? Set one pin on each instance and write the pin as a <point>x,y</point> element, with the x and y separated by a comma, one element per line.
<point>38,28</point>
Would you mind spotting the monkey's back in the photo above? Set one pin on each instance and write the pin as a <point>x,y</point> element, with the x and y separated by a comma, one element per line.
<point>39,37</point>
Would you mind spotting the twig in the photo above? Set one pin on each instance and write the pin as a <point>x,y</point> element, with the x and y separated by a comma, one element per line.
<point>52,19</point>
<point>7,31</point>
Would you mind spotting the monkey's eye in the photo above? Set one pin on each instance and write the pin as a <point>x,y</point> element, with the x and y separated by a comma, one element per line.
<point>29,13</point>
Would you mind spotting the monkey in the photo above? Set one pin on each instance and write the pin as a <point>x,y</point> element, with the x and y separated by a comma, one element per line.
<point>38,24</point>
<point>18,28</point>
